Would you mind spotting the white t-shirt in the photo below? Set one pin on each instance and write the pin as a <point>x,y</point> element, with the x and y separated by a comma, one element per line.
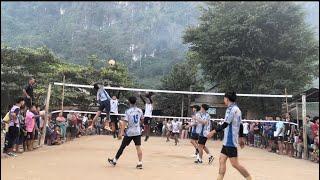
<point>114,106</point>
<point>133,116</point>
<point>148,110</point>
<point>279,126</point>
<point>84,119</point>
<point>175,126</point>
<point>245,128</point>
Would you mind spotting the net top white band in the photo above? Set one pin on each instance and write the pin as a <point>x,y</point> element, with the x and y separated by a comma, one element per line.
<point>173,92</point>
<point>166,117</point>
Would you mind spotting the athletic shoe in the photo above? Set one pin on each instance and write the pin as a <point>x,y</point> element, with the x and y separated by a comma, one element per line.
<point>12,154</point>
<point>146,139</point>
<point>139,166</point>
<point>198,161</point>
<point>111,162</point>
<point>211,158</point>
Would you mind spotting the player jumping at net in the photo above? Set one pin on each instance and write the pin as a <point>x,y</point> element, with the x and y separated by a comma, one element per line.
<point>104,104</point>
<point>232,130</point>
<point>147,114</point>
<point>203,129</point>
<point>132,118</point>
<point>114,118</point>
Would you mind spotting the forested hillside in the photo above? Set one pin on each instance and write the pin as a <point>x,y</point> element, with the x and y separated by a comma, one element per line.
<point>146,36</point>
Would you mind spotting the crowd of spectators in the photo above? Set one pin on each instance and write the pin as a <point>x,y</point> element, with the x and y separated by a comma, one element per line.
<point>23,125</point>
<point>282,136</point>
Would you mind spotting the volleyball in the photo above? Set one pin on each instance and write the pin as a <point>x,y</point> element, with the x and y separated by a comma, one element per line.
<point>112,62</point>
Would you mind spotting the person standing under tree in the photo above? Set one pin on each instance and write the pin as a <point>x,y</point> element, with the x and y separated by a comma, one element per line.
<point>232,130</point>
<point>28,93</point>
<point>14,126</point>
<point>104,101</point>
<point>147,114</point>
<point>61,122</point>
<point>132,119</point>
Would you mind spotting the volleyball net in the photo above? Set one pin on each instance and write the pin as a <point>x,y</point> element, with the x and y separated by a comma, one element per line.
<point>170,92</point>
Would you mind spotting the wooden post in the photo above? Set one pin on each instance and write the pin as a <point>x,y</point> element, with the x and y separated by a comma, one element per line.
<point>189,102</point>
<point>182,104</point>
<point>64,78</point>
<point>285,92</point>
<point>304,118</point>
<point>297,109</point>
<point>46,116</point>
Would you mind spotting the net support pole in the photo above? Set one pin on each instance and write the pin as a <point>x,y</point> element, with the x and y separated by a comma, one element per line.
<point>304,118</point>
<point>62,100</point>
<point>297,109</point>
<point>285,92</point>
<point>182,104</point>
<point>43,134</point>
<point>189,102</point>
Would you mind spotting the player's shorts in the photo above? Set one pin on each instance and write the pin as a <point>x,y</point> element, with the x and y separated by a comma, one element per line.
<point>114,118</point>
<point>105,105</point>
<point>194,136</point>
<point>136,140</point>
<point>30,136</point>
<point>147,120</point>
<point>175,133</point>
<point>202,140</point>
<point>229,151</point>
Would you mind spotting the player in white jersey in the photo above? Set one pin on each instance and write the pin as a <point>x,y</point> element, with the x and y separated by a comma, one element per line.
<point>114,102</point>
<point>147,114</point>
<point>232,130</point>
<point>176,125</point>
<point>203,129</point>
<point>133,116</point>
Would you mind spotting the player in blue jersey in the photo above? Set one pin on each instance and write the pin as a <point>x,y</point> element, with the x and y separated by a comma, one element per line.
<point>193,124</point>
<point>133,118</point>
<point>232,130</point>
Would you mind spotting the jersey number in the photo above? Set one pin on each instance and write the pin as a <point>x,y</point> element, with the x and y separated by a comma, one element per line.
<point>136,118</point>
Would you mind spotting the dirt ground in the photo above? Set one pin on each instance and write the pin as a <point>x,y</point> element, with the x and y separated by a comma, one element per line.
<point>85,158</point>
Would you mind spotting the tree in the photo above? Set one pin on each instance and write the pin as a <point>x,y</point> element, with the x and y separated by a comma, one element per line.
<point>181,77</point>
<point>255,47</point>
<point>17,65</point>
